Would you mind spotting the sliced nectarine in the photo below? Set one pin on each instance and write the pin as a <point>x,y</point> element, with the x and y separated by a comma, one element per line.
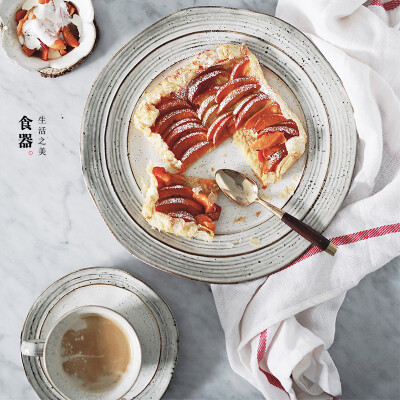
<point>290,123</point>
<point>71,9</point>
<point>63,52</point>
<point>287,130</point>
<point>44,52</point>
<point>210,115</point>
<point>176,124</point>
<point>175,204</point>
<point>164,178</point>
<point>21,23</point>
<point>182,214</point>
<point>165,121</point>
<point>171,105</point>
<point>183,130</point>
<point>267,121</point>
<point>269,139</point>
<point>242,102</point>
<point>28,52</point>
<point>202,96</point>
<point>194,153</point>
<point>185,142</point>
<point>273,157</point>
<point>201,82</point>
<point>206,222</point>
<point>203,199</point>
<point>58,45</point>
<point>215,213</point>
<point>252,107</point>
<point>235,95</point>
<point>69,37</point>
<point>239,68</point>
<point>217,126</point>
<point>205,104</point>
<point>19,15</point>
<point>175,191</point>
<point>224,90</point>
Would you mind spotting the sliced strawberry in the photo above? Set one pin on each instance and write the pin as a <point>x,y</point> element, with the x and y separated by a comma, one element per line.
<point>251,108</point>
<point>19,15</point>
<point>168,119</point>
<point>181,131</point>
<point>235,95</point>
<point>175,191</point>
<point>267,121</point>
<point>175,204</point>
<point>206,222</point>
<point>267,140</point>
<point>201,82</point>
<point>171,104</point>
<point>182,214</point>
<point>194,153</point>
<point>210,115</point>
<point>205,104</point>
<point>232,85</point>
<point>185,142</point>
<point>176,124</point>
<point>69,37</point>
<point>239,68</point>
<point>203,199</point>
<point>28,52</point>
<point>217,132</point>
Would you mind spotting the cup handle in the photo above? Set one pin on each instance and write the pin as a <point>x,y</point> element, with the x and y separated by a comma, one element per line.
<point>33,348</point>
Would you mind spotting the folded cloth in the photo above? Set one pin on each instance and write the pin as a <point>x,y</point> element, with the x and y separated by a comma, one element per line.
<point>278,329</point>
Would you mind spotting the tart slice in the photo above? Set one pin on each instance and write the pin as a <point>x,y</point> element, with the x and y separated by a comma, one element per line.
<point>221,93</point>
<point>180,204</point>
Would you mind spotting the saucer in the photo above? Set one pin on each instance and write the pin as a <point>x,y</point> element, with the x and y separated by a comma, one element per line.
<point>118,290</point>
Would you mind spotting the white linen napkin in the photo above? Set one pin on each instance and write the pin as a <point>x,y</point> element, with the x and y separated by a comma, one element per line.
<point>278,329</point>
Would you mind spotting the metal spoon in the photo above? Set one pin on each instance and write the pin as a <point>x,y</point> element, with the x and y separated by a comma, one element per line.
<point>244,191</point>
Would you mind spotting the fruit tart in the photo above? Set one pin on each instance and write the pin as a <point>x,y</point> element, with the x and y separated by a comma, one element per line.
<point>183,205</point>
<point>221,93</point>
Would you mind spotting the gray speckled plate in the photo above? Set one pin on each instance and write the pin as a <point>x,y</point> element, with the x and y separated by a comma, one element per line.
<point>113,154</point>
<point>138,303</point>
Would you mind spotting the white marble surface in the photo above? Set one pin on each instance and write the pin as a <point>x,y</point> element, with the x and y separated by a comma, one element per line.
<point>49,227</point>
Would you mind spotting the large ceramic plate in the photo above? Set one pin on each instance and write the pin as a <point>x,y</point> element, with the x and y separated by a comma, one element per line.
<point>114,154</point>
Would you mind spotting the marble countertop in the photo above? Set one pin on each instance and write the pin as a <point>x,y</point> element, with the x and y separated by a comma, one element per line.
<point>50,227</point>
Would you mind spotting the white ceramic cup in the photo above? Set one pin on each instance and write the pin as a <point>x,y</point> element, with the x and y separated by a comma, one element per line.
<point>49,350</point>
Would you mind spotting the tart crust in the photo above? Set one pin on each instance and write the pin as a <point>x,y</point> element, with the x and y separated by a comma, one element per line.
<point>146,113</point>
<point>177,226</point>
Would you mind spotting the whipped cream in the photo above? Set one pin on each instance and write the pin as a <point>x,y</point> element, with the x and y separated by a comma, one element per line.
<point>50,18</point>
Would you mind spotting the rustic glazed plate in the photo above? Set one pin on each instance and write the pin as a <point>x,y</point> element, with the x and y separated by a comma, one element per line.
<point>114,154</point>
<point>115,289</point>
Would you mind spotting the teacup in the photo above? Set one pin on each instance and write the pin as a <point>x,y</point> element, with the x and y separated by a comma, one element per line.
<point>90,353</point>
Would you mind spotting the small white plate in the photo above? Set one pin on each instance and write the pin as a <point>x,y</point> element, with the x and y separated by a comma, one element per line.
<point>121,292</point>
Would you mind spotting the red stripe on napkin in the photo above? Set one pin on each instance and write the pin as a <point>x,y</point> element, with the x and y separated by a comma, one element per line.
<point>390,5</point>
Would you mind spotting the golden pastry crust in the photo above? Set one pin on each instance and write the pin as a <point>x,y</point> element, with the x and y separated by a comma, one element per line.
<point>146,113</point>
<point>177,226</point>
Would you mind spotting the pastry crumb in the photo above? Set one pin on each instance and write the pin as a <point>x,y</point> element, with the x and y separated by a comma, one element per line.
<point>229,245</point>
<point>254,241</point>
<point>265,197</point>
<point>258,213</point>
<point>287,191</point>
<point>212,169</point>
<point>239,219</point>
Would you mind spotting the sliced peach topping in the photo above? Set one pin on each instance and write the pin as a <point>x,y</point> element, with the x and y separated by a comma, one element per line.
<point>242,103</point>
<point>164,178</point>
<point>239,68</point>
<point>69,37</point>
<point>269,139</point>
<point>71,9</point>
<point>28,52</point>
<point>210,115</point>
<point>174,204</point>
<point>172,117</point>
<point>270,158</point>
<point>178,123</point>
<point>290,123</point>
<point>44,51</point>
<point>171,104</point>
<point>236,94</point>
<point>175,191</point>
<point>43,1</point>
<point>194,153</point>
<point>203,81</point>
<point>205,221</point>
<point>205,104</point>
<point>268,120</point>
<point>203,199</point>
<point>261,115</point>
<point>58,45</point>
<point>287,130</point>
<point>183,130</point>
<point>252,107</point>
<point>63,52</point>
<point>185,142</point>
<point>21,23</point>
<point>224,90</point>
<point>217,131</point>
<point>19,15</point>
<point>182,214</point>
<point>202,96</point>
<point>215,213</point>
